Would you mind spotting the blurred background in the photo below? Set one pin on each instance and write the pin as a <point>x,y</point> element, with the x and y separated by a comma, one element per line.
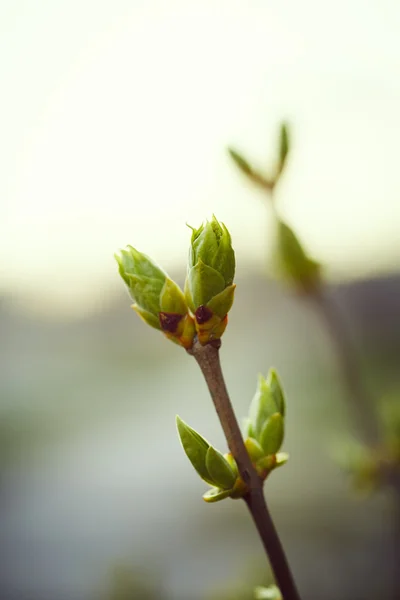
<point>115,118</point>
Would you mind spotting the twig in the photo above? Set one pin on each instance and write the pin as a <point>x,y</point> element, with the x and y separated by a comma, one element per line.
<point>207,358</point>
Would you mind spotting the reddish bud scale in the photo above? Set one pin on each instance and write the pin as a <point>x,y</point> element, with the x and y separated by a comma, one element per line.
<point>211,330</point>
<point>169,321</point>
<point>203,314</point>
<point>180,329</point>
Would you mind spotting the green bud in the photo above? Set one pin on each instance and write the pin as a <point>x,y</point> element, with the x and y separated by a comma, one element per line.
<point>196,448</point>
<point>209,287</point>
<point>271,436</point>
<point>262,406</point>
<point>271,592</point>
<point>293,260</point>
<point>159,301</point>
<point>212,244</point>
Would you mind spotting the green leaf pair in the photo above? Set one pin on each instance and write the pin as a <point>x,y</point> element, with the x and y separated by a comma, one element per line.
<point>266,181</point>
<point>264,435</point>
<point>211,465</point>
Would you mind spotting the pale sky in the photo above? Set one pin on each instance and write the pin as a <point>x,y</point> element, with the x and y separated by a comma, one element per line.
<point>115,117</point>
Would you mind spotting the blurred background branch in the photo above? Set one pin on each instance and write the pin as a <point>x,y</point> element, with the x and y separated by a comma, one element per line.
<point>380,464</point>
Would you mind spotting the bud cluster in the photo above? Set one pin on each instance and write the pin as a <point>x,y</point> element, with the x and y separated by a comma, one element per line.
<point>264,435</point>
<point>209,289</point>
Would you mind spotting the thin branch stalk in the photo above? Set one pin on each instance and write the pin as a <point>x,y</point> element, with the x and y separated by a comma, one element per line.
<point>207,358</point>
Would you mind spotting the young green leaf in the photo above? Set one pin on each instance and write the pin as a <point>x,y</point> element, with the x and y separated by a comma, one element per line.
<point>216,494</point>
<point>240,162</point>
<point>254,449</point>
<point>195,448</point>
<point>219,469</point>
<point>276,390</point>
<point>283,146</point>
<point>271,436</point>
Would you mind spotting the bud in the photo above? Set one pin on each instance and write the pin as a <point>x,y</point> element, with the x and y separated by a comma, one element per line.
<point>209,287</point>
<point>159,301</point>
<point>265,425</point>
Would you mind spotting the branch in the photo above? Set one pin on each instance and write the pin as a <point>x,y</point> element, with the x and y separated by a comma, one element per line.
<point>207,358</point>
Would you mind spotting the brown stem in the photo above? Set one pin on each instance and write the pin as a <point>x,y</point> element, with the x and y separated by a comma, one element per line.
<point>208,359</point>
